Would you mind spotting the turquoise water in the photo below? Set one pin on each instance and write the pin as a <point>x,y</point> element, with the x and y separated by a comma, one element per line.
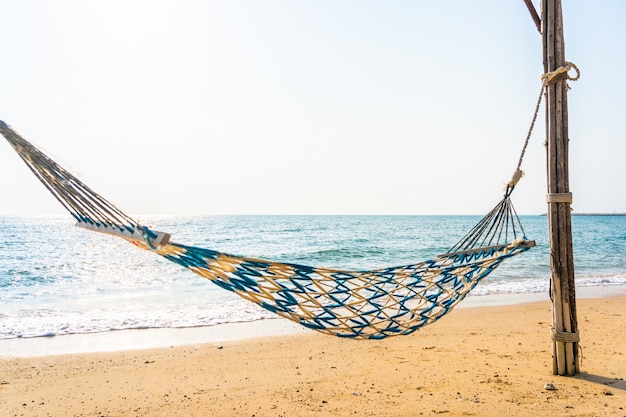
<point>58,279</point>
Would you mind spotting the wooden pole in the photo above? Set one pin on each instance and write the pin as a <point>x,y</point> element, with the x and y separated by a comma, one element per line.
<point>533,14</point>
<point>562,286</point>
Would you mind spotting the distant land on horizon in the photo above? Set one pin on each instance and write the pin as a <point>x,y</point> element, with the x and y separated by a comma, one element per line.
<point>594,214</point>
<point>598,214</point>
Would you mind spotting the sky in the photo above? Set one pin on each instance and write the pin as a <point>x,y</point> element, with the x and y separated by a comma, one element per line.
<point>306,107</point>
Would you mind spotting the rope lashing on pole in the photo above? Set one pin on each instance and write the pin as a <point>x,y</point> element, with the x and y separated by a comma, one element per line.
<point>560,74</point>
<point>564,337</point>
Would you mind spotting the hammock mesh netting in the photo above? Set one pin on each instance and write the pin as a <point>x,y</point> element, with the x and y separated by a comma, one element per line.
<point>358,304</point>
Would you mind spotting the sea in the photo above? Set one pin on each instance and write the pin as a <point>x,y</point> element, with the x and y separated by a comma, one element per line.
<point>57,279</point>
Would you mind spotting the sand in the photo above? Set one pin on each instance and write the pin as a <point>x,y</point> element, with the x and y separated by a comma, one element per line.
<point>479,361</point>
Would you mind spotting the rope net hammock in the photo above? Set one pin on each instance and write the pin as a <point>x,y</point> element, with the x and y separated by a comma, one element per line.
<point>357,304</point>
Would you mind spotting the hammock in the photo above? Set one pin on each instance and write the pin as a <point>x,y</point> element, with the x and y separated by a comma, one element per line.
<point>357,304</point>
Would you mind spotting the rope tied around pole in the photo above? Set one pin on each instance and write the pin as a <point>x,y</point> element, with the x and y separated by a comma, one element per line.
<point>564,337</point>
<point>560,74</point>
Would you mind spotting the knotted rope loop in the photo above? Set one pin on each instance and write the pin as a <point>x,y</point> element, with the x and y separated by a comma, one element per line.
<point>560,74</point>
<point>510,186</point>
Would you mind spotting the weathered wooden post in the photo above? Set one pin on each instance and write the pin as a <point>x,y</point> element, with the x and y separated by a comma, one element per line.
<point>562,288</point>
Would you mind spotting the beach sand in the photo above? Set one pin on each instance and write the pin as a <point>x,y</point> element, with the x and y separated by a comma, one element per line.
<point>479,361</point>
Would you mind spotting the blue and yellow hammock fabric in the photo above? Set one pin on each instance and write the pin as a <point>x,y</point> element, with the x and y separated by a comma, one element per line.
<point>356,304</point>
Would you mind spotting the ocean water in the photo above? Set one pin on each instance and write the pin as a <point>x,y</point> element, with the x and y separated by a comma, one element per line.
<point>58,279</point>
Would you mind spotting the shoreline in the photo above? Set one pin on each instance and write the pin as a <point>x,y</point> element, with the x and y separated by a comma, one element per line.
<point>488,361</point>
<point>155,338</point>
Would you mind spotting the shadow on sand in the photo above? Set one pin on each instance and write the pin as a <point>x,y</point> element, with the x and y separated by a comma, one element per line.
<point>615,383</point>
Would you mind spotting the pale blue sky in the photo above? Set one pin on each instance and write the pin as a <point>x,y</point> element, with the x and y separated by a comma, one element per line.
<point>305,107</point>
